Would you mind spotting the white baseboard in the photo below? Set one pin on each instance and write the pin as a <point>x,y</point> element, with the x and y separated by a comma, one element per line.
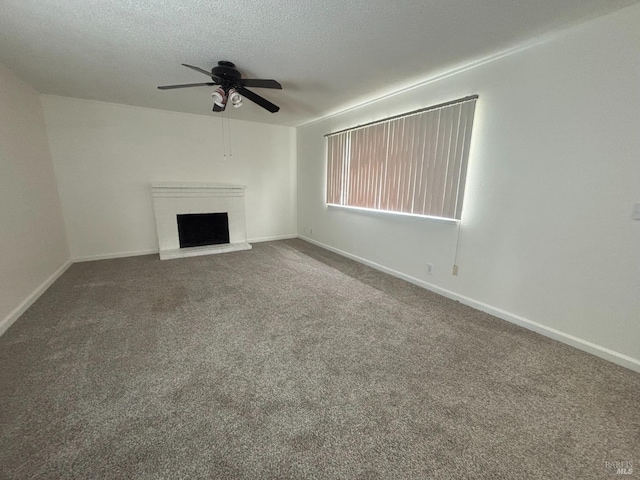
<point>109,256</point>
<point>270,239</point>
<point>584,345</point>
<point>27,302</point>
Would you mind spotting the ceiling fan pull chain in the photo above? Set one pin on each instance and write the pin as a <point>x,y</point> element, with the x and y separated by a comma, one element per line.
<point>224,153</point>
<point>229,127</point>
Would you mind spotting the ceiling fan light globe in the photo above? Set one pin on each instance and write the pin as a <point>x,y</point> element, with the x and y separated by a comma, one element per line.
<point>234,97</point>
<point>218,97</point>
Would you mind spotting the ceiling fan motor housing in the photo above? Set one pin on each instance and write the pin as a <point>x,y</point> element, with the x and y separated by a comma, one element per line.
<point>227,73</point>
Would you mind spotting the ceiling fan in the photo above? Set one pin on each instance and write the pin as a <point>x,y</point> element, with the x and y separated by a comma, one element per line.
<point>231,87</point>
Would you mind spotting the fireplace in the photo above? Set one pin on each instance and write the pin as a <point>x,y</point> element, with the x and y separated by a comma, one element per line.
<point>199,219</point>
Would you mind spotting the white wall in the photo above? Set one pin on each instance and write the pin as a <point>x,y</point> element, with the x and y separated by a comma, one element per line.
<point>547,234</point>
<point>33,246</point>
<point>106,156</point>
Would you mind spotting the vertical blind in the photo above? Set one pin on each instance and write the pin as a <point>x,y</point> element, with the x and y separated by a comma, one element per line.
<point>413,163</point>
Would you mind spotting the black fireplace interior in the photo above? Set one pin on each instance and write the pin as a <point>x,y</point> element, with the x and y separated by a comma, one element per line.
<point>199,229</point>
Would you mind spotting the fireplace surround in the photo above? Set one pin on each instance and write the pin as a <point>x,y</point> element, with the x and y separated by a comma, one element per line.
<point>173,199</point>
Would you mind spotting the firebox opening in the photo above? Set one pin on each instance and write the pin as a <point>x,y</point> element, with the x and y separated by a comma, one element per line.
<point>199,229</point>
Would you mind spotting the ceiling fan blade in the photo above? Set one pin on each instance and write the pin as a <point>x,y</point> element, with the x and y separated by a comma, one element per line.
<point>254,97</point>
<point>260,83</point>
<point>198,69</point>
<point>217,108</point>
<point>185,85</point>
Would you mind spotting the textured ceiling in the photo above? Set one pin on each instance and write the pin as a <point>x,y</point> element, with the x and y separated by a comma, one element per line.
<point>326,54</point>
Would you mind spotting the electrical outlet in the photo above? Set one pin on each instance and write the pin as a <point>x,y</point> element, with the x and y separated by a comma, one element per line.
<point>636,211</point>
<point>311,231</point>
<point>429,268</point>
<point>454,272</point>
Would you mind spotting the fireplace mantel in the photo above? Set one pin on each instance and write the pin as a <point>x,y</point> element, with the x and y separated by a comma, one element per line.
<point>176,198</point>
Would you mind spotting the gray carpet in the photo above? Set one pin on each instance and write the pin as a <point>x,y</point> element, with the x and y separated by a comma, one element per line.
<point>288,361</point>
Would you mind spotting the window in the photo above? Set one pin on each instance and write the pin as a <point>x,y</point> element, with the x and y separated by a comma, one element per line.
<point>413,163</point>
